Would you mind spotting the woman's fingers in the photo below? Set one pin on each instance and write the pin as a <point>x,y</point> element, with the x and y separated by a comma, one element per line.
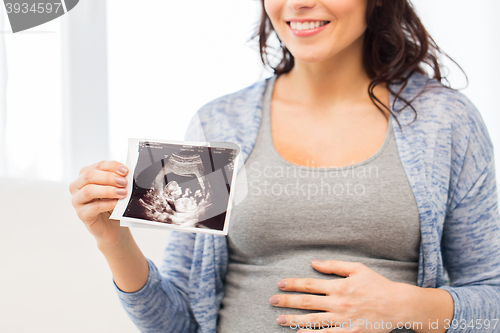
<point>98,177</point>
<point>92,191</point>
<point>338,267</point>
<point>112,166</point>
<point>92,209</point>
<point>103,173</point>
<point>308,302</point>
<point>311,286</point>
<point>95,194</point>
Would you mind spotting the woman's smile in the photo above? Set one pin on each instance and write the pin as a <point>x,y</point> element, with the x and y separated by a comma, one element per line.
<point>306,27</point>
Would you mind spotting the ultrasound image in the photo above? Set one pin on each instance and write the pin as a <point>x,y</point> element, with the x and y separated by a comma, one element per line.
<point>183,185</point>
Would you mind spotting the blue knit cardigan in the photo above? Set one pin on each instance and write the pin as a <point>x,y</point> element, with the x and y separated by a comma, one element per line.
<point>447,155</point>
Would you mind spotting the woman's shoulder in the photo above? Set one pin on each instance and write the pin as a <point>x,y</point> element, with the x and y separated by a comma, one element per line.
<point>440,109</point>
<point>449,123</point>
<point>436,102</point>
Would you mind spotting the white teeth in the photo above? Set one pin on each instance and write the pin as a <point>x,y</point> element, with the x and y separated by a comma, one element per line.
<point>306,25</point>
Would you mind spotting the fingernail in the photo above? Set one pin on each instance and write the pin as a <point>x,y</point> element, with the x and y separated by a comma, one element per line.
<point>275,300</point>
<point>121,181</point>
<point>281,320</point>
<point>122,169</point>
<point>316,262</point>
<point>282,284</point>
<point>121,192</point>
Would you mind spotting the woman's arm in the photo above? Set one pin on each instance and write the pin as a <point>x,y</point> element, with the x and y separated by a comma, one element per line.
<point>471,249</point>
<point>470,241</point>
<point>430,306</point>
<point>471,253</point>
<point>162,304</point>
<point>471,232</point>
<point>152,301</point>
<point>128,265</point>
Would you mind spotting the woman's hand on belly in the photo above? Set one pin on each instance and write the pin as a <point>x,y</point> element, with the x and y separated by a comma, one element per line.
<point>352,303</point>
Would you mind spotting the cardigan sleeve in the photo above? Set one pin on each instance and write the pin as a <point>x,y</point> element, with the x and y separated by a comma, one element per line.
<point>471,237</point>
<point>160,306</point>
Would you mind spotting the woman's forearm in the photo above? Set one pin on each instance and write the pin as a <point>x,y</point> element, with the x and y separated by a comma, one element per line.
<point>431,307</point>
<point>128,265</point>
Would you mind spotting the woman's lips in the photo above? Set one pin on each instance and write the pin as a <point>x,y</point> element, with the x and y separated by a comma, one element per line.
<point>308,32</point>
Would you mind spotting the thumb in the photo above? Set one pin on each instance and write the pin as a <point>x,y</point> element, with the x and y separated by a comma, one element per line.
<point>337,267</point>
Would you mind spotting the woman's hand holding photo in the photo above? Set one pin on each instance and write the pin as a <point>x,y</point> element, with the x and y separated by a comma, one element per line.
<point>95,193</point>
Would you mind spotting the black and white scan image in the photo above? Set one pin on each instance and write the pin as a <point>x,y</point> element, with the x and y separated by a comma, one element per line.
<point>182,185</point>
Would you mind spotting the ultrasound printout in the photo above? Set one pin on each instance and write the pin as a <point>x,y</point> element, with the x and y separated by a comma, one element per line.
<point>179,185</point>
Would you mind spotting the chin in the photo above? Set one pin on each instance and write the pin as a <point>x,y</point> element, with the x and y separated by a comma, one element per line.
<point>310,57</point>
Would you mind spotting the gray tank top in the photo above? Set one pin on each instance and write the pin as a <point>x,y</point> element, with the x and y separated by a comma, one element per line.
<point>292,214</point>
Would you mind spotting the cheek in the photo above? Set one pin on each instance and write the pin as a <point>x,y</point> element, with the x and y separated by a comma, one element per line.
<point>274,8</point>
<point>346,7</point>
<point>350,15</point>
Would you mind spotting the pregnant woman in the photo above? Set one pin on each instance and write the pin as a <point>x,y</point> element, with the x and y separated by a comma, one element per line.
<point>367,199</point>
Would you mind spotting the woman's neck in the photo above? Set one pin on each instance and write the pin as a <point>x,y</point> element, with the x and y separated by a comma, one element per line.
<point>341,82</point>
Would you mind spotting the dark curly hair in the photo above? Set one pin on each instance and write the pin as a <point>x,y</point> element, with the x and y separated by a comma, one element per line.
<point>396,44</point>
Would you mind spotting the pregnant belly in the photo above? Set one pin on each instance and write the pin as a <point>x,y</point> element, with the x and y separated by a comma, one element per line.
<point>246,307</point>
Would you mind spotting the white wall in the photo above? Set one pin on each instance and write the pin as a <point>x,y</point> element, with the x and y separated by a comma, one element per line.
<point>33,100</point>
<point>85,86</point>
<point>53,277</point>
<point>168,58</point>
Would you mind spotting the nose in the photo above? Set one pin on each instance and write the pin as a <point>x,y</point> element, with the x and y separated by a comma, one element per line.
<point>298,5</point>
